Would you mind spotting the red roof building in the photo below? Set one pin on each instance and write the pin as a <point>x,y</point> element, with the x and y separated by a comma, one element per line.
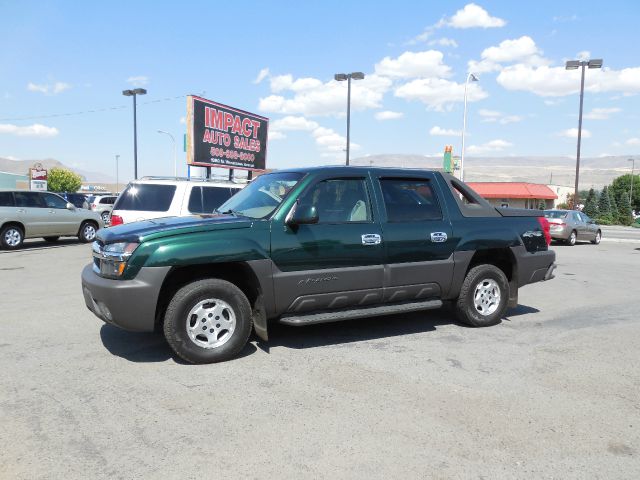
<point>515,194</point>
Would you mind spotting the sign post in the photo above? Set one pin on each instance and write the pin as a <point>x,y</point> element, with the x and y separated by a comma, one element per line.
<point>38,178</point>
<point>223,136</point>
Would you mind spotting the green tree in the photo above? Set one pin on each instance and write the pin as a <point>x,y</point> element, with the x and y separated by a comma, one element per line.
<point>63,180</point>
<point>542,205</point>
<point>624,209</point>
<point>623,183</point>
<point>604,207</point>
<point>614,205</point>
<point>591,204</point>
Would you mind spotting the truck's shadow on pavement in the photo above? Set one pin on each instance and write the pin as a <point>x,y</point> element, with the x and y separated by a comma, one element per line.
<point>152,347</point>
<point>34,245</point>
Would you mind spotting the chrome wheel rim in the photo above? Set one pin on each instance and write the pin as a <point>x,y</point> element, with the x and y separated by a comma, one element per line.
<point>105,216</point>
<point>572,238</point>
<point>12,237</point>
<point>598,237</point>
<point>486,297</point>
<point>211,323</point>
<point>89,232</point>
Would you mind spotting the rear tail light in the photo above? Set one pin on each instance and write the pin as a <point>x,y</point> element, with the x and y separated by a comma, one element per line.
<point>116,220</point>
<point>544,224</point>
<point>93,206</point>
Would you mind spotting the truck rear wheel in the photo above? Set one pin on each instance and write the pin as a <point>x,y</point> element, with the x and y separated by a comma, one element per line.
<point>208,321</point>
<point>483,297</point>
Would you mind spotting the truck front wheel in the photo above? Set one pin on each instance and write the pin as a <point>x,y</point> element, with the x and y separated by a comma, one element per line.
<point>208,321</point>
<point>483,297</point>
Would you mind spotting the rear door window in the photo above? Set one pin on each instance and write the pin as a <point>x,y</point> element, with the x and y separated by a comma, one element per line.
<point>29,200</point>
<point>6,199</point>
<point>146,198</point>
<point>54,201</point>
<point>107,200</point>
<point>207,199</point>
<point>409,200</point>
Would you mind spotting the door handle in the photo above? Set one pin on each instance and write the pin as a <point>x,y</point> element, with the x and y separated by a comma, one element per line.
<point>21,210</point>
<point>371,239</point>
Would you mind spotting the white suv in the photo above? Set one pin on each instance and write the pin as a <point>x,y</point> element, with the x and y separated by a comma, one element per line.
<point>154,197</point>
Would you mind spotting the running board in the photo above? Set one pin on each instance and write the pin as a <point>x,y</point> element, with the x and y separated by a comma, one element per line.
<point>335,316</point>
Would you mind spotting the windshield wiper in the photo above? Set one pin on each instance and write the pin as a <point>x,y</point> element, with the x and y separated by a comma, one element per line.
<point>231,212</point>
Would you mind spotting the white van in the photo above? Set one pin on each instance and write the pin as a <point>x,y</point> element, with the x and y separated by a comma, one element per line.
<point>155,197</point>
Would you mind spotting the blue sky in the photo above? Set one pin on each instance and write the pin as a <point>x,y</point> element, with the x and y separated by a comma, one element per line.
<point>277,59</point>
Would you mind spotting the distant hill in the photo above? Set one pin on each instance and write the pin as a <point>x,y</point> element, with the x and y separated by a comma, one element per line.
<point>22,167</point>
<point>594,172</point>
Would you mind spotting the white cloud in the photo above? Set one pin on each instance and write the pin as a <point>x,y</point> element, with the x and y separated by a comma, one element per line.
<point>548,81</point>
<point>414,65</point>
<point>583,55</point>
<point>293,123</point>
<point>489,147</point>
<point>444,132</point>
<point>444,42</point>
<point>573,133</point>
<point>490,116</point>
<point>474,16</point>
<point>313,97</point>
<point>331,141</point>
<point>35,130</point>
<point>388,115</point>
<point>138,81</point>
<point>601,113</point>
<point>439,94</point>
<point>522,50</point>
<point>54,89</point>
<point>633,141</point>
<point>183,120</point>
<point>276,135</point>
<point>264,73</point>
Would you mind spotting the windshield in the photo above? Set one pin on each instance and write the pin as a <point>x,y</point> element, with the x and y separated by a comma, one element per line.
<point>261,197</point>
<point>555,213</point>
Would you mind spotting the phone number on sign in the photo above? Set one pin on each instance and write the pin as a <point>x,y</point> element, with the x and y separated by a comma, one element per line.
<point>231,154</point>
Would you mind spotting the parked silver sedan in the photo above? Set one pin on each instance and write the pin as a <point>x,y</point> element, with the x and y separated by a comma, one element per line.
<point>26,214</point>
<point>570,226</point>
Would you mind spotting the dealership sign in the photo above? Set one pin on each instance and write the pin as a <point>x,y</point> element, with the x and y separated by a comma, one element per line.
<point>38,178</point>
<point>222,136</point>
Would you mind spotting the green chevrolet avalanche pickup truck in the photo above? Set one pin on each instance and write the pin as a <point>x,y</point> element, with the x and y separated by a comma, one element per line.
<point>311,246</point>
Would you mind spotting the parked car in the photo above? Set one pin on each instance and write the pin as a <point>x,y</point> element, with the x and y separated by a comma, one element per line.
<point>570,226</point>
<point>25,214</point>
<point>155,197</point>
<point>103,204</point>
<point>79,200</point>
<point>313,246</point>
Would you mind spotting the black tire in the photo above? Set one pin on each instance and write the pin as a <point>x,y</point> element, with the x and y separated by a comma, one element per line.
<point>105,216</point>
<point>51,239</point>
<point>84,234</point>
<point>598,237</point>
<point>186,299</point>
<point>466,303</point>
<point>11,237</point>
<point>573,238</point>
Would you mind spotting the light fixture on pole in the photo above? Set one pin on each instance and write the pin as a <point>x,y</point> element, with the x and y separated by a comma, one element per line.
<point>341,77</point>
<point>175,158</point>
<point>574,65</point>
<point>633,167</point>
<point>117,185</point>
<point>134,93</point>
<point>473,78</point>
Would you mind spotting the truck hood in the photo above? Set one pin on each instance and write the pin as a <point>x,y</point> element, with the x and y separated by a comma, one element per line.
<point>167,226</point>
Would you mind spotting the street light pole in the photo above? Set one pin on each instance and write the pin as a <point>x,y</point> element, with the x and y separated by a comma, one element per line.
<point>117,183</point>
<point>175,158</point>
<point>134,93</point>
<point>340,77</point>
<point>633,167</point>
<point>470,77</point>
<point>574,65</point>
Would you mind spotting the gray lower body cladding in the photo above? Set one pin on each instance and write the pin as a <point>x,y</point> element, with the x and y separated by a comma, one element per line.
<point>128,304</point>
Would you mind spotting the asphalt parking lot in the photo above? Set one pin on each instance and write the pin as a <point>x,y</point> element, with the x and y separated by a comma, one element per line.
<point>551,392</point>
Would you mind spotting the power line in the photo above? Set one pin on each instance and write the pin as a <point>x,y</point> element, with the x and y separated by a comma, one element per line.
<point>84,112</point>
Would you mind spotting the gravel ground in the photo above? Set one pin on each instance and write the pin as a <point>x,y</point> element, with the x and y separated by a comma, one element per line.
<point>551,392</point>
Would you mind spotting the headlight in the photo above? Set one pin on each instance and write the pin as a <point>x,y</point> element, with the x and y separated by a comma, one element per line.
<point>111,260</point>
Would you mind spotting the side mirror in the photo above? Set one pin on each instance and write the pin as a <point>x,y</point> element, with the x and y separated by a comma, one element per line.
<point>70,206</point>
<point>303,215</point>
